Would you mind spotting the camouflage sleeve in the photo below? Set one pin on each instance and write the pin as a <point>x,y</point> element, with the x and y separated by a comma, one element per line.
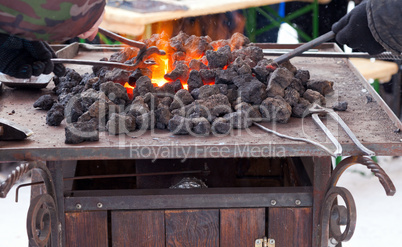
<point>384,18</point>
<point>49,20</point>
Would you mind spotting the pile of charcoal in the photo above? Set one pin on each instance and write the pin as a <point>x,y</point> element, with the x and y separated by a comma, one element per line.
<point>231,85</point>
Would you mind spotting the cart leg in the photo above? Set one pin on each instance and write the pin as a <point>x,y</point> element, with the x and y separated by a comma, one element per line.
<point>322,173</point>
<point>43,226</point>
<point>59,170</point>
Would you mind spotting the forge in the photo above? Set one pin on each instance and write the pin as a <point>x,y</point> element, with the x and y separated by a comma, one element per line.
<point>199,87</point>
<point>106,187</point>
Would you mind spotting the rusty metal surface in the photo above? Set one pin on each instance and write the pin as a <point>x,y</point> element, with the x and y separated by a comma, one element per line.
<point>373,123</point>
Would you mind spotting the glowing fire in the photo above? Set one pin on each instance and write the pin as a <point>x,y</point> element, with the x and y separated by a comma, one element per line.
<point>215,26</point>
<point>159,71</point>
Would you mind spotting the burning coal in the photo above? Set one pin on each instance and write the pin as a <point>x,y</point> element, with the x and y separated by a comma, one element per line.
<point>200,87</point>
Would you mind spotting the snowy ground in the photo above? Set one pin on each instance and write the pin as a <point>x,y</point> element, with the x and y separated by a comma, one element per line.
<point>13,215</point>
<point>379,217</point>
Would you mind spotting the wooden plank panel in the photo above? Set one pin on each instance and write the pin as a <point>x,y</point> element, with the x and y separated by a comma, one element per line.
<point>290,226</point>
<point>192,228</point>
<point>138,228</point>
<point>241,227</point>
<point>86,229</point>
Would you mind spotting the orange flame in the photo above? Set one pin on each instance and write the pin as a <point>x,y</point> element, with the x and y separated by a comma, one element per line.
<point>159,71</point>
<point>166,30</point>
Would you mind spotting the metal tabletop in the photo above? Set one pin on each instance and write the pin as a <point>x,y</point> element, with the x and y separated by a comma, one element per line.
<point>373,123</point>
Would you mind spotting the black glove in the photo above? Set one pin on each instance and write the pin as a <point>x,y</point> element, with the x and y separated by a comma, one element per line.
<point>353,31</point>
<point>21,58</point>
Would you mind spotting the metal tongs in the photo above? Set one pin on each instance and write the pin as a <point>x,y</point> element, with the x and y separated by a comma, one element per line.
<point>316,109</point>
<point>139,61</point>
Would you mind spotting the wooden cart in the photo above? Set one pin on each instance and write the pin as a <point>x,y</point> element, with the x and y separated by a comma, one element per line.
<point>115,192</point>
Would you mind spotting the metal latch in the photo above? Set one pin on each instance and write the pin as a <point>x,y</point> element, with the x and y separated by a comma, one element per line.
<point>264,242</point>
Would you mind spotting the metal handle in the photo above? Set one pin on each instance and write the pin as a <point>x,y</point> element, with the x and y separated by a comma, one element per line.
<point>351,134</point>
<point>102,63</point>
<point>382,56</point>
<point>317,120</point>
<point>299,50</point>
<point>121,38</point>
<point>297,139</point>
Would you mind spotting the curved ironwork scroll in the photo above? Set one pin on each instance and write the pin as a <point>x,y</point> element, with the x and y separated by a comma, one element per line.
<point>12,178</point>
<point>384,179</point>
<point>332,215</point>
<point>42,219</point>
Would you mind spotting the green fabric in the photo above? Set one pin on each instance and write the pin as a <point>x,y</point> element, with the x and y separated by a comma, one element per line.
<point>49,20</point>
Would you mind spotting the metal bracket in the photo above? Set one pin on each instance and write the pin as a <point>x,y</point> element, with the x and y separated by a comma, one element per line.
<point>264,242</point>
<point>332,215</point>
<point>42,220</point>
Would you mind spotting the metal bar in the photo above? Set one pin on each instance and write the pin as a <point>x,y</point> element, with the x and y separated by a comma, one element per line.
<point>319,109</point>
<point>317,120</point>
<point>100,63</point>
<point>100,48</point>
<point>382,56</point>
<point>133,175</point>
<point>121,38</point>
<point>384,179</point>
<point>351,134</point>
<point>297,139</point>
<point>190,198</point>
<point>299,50</point>
<point>56,171</point>
<point>25,185</point>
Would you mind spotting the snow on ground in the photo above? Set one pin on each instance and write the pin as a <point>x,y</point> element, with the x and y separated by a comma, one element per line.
<point>379,216</point>
<point>13,215</point>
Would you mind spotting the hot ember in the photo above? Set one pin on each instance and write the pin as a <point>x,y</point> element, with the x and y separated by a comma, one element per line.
<point>200,87</point>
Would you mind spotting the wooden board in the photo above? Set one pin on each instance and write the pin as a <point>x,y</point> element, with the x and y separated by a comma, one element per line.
<point>381,70</point>
<point>290,226</point>
<point>87,228</point>
<point>193,228</point>
<point>132,23</point>
<point>138,228</point>
<point>241,227</point>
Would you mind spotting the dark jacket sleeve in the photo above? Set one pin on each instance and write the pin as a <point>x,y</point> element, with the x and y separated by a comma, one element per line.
<point>50,20</point>
<point>385,22</point>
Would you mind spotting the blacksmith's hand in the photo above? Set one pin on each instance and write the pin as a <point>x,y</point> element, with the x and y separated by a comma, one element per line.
<point>22,58</point>
<point>353,30</point>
